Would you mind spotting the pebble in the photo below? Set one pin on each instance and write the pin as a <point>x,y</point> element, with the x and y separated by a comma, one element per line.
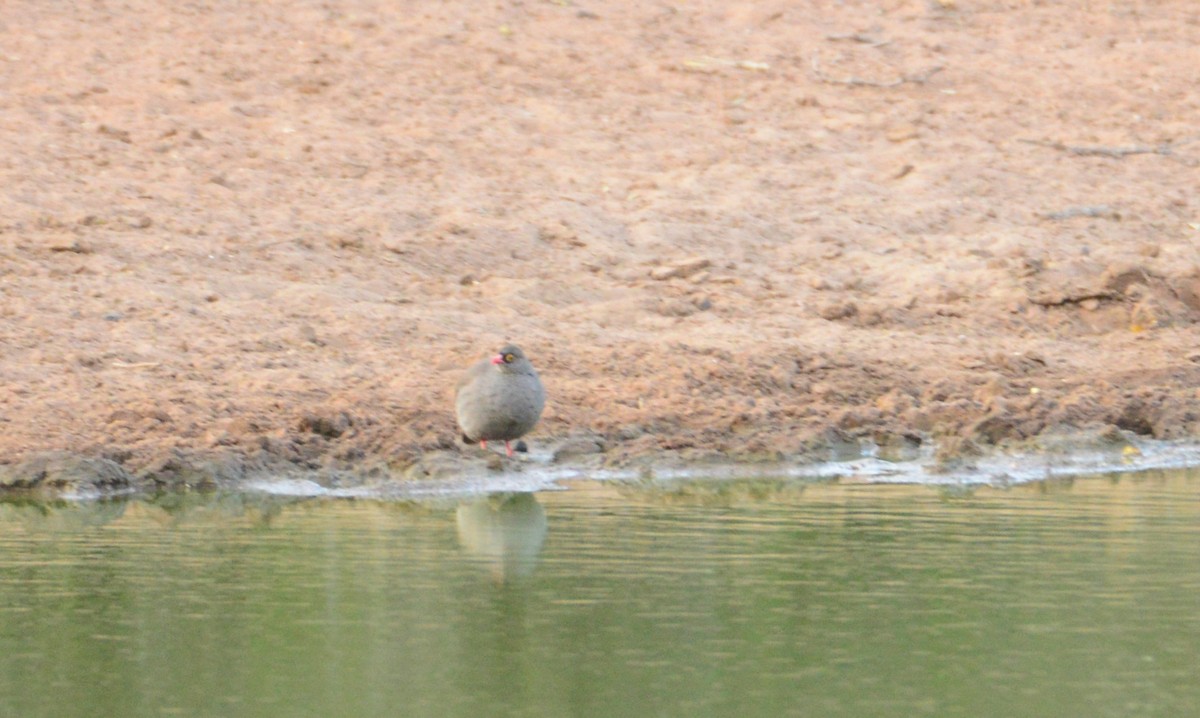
<point>681,269</point>
<point>580,446</point>
<point>837,310</point>
<point>69,244</point>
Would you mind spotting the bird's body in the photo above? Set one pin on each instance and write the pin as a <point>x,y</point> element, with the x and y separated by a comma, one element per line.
<point>499,399</point>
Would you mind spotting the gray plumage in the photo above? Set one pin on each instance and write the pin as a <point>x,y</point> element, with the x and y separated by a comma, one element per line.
<point>499,398</point>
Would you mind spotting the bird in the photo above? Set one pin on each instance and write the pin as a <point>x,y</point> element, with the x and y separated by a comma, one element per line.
<point>499,398</point>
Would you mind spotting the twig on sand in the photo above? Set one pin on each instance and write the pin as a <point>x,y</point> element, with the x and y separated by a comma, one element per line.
<point>275,242</point>
<point>917,78</point>
<point>860,37</point>
<point>1165,148</point>
<point>708,64</point>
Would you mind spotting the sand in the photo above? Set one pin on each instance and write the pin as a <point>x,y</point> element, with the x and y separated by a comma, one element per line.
<point>272,234</point>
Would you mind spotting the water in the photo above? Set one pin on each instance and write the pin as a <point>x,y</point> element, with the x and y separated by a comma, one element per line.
<point>692,599</point>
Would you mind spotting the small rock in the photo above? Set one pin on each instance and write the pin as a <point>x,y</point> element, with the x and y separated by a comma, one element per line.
<point>580,446</point>
<point>64,471</point>
<point>674,308</point>
<point>309,335</point>
<point>633,431</point>
<point>1112,434</point>
<point>176,469</point>
<point>995,428</point>
<point>834,311</point>
<point>116,134</point>
<point>69,244</point>
<point>89,361</point>
<point>561,233</point>
<point>329,427</point>
<point>681,269</point>
<point>737,117</point>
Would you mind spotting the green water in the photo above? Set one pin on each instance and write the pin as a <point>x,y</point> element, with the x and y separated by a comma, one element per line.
<point>734,599</point>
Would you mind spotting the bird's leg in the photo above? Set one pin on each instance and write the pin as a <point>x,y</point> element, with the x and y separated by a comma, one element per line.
<point>483,445</point>
<point>507,449</point>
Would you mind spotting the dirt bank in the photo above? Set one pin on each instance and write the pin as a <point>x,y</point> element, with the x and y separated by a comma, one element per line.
<point>248,235</point>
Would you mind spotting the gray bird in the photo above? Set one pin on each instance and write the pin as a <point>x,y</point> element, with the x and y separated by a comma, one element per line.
<point>499,399</point>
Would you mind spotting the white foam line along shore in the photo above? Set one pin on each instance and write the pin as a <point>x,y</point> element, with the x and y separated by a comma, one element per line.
<point>1001,470</point>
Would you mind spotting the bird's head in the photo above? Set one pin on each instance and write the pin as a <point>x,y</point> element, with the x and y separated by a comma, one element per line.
<point>512,360</point>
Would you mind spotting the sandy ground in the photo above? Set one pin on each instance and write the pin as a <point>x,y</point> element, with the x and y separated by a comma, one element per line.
<point>271,234</point>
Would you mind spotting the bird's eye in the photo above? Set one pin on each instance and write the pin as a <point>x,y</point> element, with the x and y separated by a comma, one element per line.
<point>509,358</point>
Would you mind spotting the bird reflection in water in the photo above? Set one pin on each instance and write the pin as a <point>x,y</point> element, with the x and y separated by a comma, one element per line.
<point>504,532</point>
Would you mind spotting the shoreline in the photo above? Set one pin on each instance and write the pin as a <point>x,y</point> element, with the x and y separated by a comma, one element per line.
<point>62,475</point>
